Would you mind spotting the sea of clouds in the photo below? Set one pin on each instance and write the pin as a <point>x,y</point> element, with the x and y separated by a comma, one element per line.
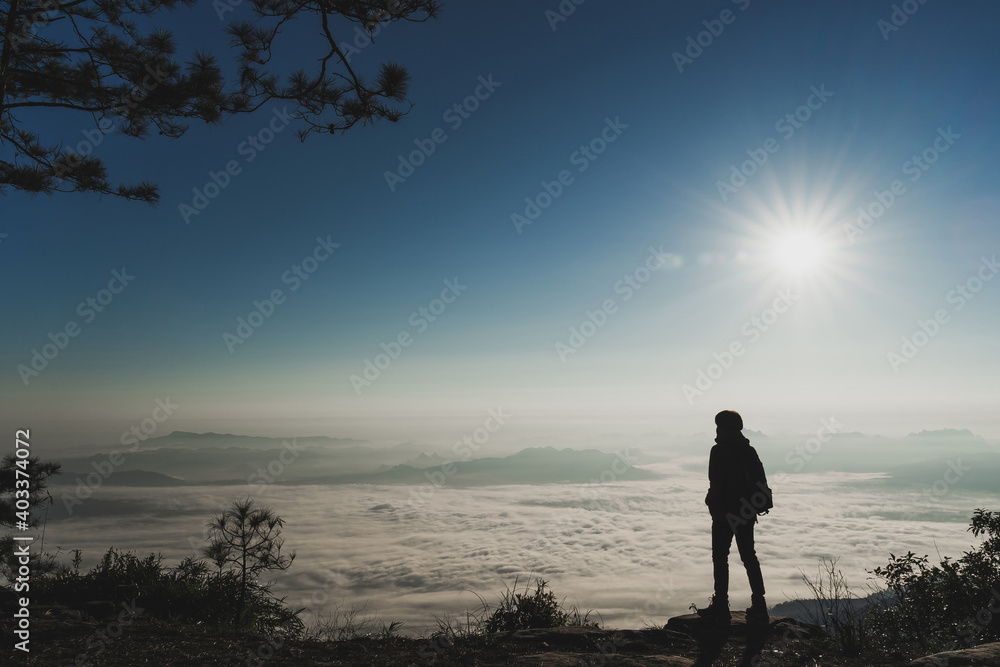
<point>635,553</point>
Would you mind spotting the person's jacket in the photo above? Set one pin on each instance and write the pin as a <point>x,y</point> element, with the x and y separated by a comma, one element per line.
<point>735,473</point>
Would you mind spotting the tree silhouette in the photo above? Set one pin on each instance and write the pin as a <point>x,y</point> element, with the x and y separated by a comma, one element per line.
<point>37,481</point>
<point>36,495</point>
<point>248,540</point>
<point>104,60</point>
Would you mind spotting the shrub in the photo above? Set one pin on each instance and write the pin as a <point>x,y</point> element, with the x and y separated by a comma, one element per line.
<point>922,608</point>
<point>522,611</point>
<point>839,609</point>
<point>352,623</point>
<point>188,593</point>
<point>946,606</point>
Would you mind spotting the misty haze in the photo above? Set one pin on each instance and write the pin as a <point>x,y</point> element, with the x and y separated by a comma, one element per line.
<point>561,332</point>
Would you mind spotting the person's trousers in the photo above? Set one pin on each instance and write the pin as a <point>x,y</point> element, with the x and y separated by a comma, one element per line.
<point>722,539</point>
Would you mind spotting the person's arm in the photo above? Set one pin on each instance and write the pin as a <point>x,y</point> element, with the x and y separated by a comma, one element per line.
<point>759,468</point>
<point>713,473</point>
<point>713,467</point>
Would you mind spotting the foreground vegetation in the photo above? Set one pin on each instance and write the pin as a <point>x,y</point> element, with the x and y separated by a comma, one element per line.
<point>913,607</point>
<point>910,608</point>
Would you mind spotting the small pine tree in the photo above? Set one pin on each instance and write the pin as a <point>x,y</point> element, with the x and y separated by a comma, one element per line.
<point>248,540</point>
<point>37,495</point>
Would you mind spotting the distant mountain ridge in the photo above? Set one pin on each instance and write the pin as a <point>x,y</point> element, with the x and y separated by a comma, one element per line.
<point>143,478</point>
<point>534,465</point>
<point>963,471</point>
<point>355,465</point>
<point>226,458</point>
<point>950,433</point>
<point>211,439</point>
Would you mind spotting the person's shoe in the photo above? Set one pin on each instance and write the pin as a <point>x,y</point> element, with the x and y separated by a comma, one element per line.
<point>718,610</point>
<point>757,611</point>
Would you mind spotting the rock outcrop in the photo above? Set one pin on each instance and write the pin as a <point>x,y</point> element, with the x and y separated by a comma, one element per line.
<point>982,655</point>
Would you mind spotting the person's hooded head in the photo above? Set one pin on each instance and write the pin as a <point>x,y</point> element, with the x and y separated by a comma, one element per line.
<point>728,426</point>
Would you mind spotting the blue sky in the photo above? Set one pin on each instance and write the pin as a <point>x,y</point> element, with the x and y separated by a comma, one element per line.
<point>656,185</point>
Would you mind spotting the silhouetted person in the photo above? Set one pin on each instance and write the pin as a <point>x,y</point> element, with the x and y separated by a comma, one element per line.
<point>737,492</point>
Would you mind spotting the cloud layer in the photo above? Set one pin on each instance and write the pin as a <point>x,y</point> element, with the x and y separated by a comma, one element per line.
<point>636,552</point>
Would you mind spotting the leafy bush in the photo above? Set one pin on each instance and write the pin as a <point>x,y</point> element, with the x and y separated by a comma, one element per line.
<point>522,611</point>
<point>514,611</point>
<point>940,607</point>
<point>188,593</point>
<point>922,608</point>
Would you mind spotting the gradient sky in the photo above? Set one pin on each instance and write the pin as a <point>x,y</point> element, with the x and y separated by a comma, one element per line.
<point>654,186</point>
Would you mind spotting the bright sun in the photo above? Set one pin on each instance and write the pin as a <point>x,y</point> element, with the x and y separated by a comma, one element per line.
<point>798,251</point>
